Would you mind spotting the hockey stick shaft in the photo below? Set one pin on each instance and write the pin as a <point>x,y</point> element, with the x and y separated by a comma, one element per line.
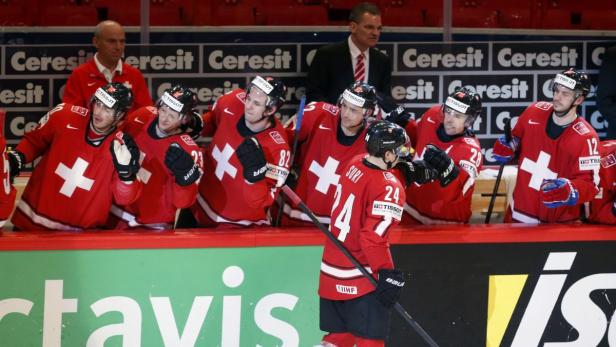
<point>298,125</point>
<point>501,167</point>
<point>295,200</point>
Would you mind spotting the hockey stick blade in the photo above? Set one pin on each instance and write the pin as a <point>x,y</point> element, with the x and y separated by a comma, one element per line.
<point>295,200</point>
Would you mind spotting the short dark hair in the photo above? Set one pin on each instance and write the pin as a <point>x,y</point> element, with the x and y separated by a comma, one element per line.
<point>358,10</point>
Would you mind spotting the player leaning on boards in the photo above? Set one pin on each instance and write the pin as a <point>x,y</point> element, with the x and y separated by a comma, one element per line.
<point>171,162</point>
<point>85,164</point>
<point>558,155</point>
<point>247,160</point>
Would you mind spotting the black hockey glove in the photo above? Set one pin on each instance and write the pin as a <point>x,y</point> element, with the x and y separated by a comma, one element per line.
<point>389,286</point>
<point>16,162</point>
<point>194,125</point>
<point>125,155</point>
<point>182,165</point>
<point>252,159</point>
<point>399,116</point>
<point>438,159</point>
<point>416,171</point>
<point>614,208</point>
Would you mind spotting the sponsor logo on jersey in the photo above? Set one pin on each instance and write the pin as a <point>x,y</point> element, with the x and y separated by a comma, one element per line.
<point>387,209</point>
<point>322,127</point>
<point>532,122</point>
<point>543,105</point>
<point>609,160</point>
<point>275,135</point>
<point>389,176</point>
<point>68,126</point>
<point>79,110</point>
<point>471,141</point>
<point>187,140</point>
<point>581,128</point>
<point>277,173</point>
<point>589,163</point>
<point>469,167</point>
<point>330,108</point>
<point>351,290</point>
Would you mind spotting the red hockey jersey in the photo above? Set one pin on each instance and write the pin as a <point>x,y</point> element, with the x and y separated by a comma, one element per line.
<point>430,203</point>
<point>161,196</point>
<point>320,161</point>
<point>224,195</point>
<point>601,205</point>
<point>573,155</point>
<point>368,202</point>
<point>8,192</point>
<point>74,183</point>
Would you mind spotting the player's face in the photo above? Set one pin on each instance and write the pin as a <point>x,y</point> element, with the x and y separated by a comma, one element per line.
<point>563,98</point>
<point>110,44</point>
<point>256,102</point>
<point>168,119</point>
<point>366,33</point>
<point>454,122</point>
<point>351,116</point>
<point>103,118</point>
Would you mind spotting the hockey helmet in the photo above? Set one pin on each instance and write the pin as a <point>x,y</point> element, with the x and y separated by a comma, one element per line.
<point>115,96</point>
<point>361,95</point>
<point>383,136</point>
<point>273,88</point>
<point>574,80</point>
<point>465,101</point>
<point>179,99</point>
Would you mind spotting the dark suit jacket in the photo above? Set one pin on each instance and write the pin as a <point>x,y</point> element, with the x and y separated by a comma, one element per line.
<point>331,72</point>
<point>606,91</point>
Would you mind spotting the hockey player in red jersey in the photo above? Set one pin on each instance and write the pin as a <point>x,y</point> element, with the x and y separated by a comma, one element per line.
<point>558,155</point>
<point>603,206</point>
<point>448,128</point>
<point>7,195</point>
<point>85,163</point>
<point>247,160</point>
<point>368,202</point>
<point>171,162</point>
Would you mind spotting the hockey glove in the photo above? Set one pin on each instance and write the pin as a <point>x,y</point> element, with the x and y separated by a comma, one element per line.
<point>125,155</point>
<point>16,162</point>
<point>614,208</point>
<point>389,286</point>
<point>504,151</point>
<point>558,192</point>
<point>252,159</point>
<point>182,165</point>
<point>399,116</point>
<point>194,125</point>
<point>416,171</point>
<point>439,160</point>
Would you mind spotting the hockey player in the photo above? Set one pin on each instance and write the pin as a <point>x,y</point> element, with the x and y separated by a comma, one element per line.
<point>171,162</point>
<point>329,137</point>
<point>8,193</point>
<point>369,201</point>
<point>247,160</point>
<point>85,163</point>
<point>448,127</point>
<point>558,155</point>
<point>603,206</point>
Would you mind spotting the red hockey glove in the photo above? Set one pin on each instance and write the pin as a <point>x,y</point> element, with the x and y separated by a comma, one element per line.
<point>252,159</point>
<point>558,192</point>
<point>504,151</point>
<point>389,286</point>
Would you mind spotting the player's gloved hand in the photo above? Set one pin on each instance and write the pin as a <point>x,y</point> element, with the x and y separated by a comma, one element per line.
<point>558,192</point>
<point>389,286</point>
<point>614,208</point>
<point>125,155</point>
<point>416,171</point>
<point>399,116</point>
<point>504,151</point>
<point>252,159</point>
<point>182,165</point>
<point>194,125</point>
<point>16,162</point>
<point>441,162</point>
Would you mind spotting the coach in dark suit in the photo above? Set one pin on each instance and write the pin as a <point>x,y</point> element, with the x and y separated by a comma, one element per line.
<point>334,66</point>
<point>606,91</point>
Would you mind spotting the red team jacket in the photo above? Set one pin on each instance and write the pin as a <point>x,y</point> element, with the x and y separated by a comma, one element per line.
<point>368,202</point>
<point>161,196</point>
<point>601,206</point>
<point>86,78</point>
<point>430,203</point>
<point>7,192</point>
<point>573,155</point>
<point>224,195</point>
<point>74,184</point>
<point>320,160</point>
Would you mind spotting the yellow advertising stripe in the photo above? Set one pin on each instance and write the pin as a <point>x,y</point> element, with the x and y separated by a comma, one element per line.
<point>504,292</point>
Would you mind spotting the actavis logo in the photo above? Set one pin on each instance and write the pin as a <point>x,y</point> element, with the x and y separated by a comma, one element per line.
<point>589,323</point>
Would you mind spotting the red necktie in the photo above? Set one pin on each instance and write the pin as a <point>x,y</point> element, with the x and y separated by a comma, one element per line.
<point>360,69</point>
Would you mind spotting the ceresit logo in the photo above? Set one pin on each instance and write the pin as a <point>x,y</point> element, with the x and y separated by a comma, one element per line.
<point>508,88</point>
<point>29,94</point>
<point>463,57</point>
<point>24,60</point>
<point>422,89</point>
<point>567,56</point>
<point>589,323</point>
<point>278,59</point>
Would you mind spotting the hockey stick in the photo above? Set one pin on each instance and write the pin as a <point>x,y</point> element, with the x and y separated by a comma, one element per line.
<point>500,173</point>
<point>295,200</point>
<point>298,125</point>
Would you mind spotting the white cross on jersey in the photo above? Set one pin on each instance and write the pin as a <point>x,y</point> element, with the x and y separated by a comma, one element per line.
<point>326,174</point>
<point>222,161</point>
<point>144,175</point>
<point>73,177</point>
<point>538,170</point>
